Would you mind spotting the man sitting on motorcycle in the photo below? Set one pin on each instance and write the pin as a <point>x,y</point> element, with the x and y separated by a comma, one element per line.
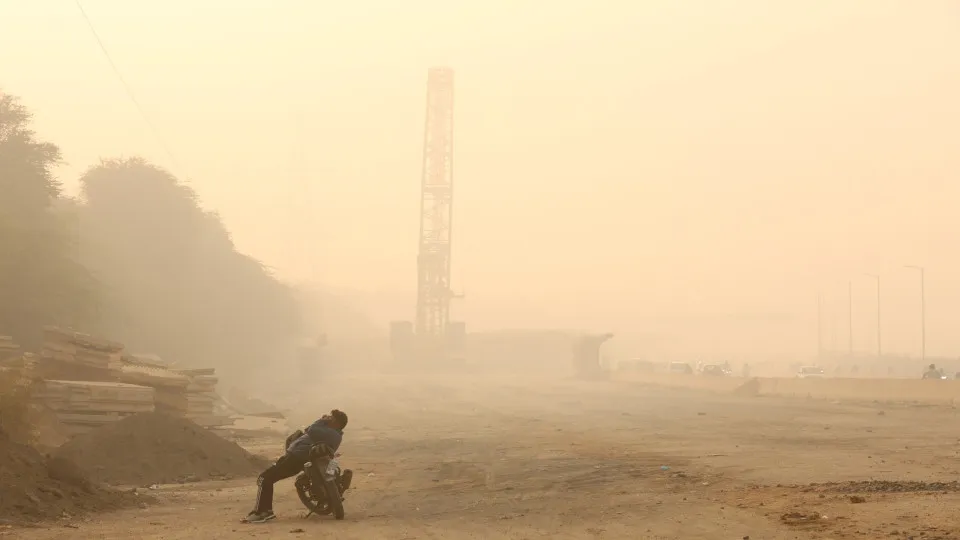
<point>327,430</point>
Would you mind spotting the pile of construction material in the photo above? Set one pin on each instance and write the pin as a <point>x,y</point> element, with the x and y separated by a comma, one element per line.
<point>92,381</point>
<point>81,406</point>
<point>146,360</point>
<point>199,399</point>
<point>169,387</point>
<point>162,380</point>
<point>190,393</point>
<point>8,348</point>
<point>69,355</point>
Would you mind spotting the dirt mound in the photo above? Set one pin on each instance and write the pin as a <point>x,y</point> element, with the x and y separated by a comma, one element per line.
<point>35,488</point>
<point>50,432</point>
<point>16,414</point>
<point>155,448</point>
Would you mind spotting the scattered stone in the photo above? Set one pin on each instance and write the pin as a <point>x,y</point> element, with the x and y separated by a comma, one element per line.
<point>800,518</point>
<point>887,486</point>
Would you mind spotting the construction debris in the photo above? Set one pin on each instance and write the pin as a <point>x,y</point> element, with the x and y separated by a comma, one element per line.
<point>8,349</point>
<point>91,382</point>
<point>148,360</point>
<point>187,393</point>
<point>198,402</point>
<point>82,406</point>
<point>157,378</point>
<point>81,349</point>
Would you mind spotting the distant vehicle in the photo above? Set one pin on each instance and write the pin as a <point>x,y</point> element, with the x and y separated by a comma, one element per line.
<point>934,373</point>
<point>810,372</point>
<point>680,368</point>
<point>715,371</point>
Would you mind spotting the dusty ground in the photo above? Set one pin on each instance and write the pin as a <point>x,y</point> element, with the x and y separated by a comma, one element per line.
<point>518,459</point>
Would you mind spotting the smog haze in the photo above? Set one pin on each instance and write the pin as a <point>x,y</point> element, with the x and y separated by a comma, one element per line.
<point>696,170</point>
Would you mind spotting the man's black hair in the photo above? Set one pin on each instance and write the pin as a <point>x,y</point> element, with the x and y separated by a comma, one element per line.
<point>340,416</point>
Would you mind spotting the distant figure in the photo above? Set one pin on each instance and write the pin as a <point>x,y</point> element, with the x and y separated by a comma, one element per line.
<point>746,371</point>
<point>932,372</point>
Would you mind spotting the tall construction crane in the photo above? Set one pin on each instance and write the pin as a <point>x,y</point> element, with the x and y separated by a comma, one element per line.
<point>433,336</point>
<point>436,209</point>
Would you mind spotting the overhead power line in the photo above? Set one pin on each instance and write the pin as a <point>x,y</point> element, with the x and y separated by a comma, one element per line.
<point>127,88</point>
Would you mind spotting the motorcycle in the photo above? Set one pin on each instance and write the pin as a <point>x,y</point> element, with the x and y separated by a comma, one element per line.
<point>322,483</point>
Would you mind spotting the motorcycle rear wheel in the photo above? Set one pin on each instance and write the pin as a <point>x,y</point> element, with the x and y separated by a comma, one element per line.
<point>307,501</point>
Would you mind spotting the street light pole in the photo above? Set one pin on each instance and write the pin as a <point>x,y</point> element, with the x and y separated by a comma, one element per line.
<point>850,319</point>
<point>819,328</point>
<point>923,312</point>
<point>879,350</point>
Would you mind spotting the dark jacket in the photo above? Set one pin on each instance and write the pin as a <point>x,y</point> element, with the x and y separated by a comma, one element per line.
<point>318,432</point>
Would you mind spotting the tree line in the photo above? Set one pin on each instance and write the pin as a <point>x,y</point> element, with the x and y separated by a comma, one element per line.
<point>133,258</point>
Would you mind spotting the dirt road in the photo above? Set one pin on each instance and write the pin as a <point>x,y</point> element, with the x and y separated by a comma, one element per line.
<point>441,458</point>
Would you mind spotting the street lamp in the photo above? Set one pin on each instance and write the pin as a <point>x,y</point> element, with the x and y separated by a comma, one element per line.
<point>923,313</point>
<point>850,319</point>
<point>879,350</point>
<point>819,328</point>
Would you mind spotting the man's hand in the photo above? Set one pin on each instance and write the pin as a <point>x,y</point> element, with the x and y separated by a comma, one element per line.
<point>292,437</point>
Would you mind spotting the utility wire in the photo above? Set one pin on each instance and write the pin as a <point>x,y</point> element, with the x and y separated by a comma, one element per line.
<point>126,86</point>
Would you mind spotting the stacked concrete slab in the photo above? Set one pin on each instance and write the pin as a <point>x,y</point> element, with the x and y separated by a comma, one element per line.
<point>91,381</point>
<point>74,356</point>
<point>198,401</point>
<point>188,393</point>
<point>8,349</point>
<point>81,406</point>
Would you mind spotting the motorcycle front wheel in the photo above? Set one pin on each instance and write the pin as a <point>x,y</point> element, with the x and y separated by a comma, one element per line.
<point>334,501</point>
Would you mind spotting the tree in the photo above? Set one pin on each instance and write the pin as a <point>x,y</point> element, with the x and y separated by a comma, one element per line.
<point>177,285</point>
<point>41,279</point>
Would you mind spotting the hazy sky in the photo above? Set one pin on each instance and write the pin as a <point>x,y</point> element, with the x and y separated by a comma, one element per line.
<point>615,161</point>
